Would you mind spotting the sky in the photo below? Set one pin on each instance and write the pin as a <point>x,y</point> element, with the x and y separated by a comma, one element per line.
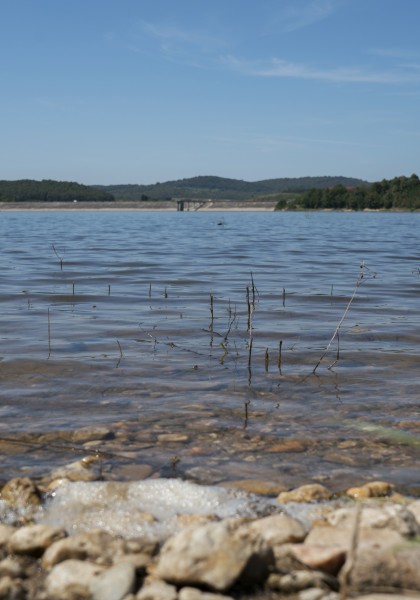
<point>145,91</point>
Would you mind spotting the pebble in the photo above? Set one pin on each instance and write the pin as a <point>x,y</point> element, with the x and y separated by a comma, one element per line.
<point>312,492</point>
<point>256,486</point>
<point>288,446</point>
<point>21,491</point>
<point>167,438</point>
<point>374,489</point>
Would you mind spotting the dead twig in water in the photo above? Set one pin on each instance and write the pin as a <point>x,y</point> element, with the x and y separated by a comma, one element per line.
<point>49,333</point>
<point>60,258</point>
<point>360,280</point>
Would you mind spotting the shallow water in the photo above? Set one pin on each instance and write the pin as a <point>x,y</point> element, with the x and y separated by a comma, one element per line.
<point>105,322</point>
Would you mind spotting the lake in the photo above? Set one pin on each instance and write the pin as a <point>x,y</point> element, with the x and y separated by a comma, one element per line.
<point>184,344</point>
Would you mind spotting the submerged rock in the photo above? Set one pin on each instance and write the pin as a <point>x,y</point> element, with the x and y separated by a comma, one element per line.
<point>312,492</point>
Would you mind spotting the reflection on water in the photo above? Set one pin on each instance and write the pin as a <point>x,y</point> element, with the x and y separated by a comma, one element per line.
<point>188,340</point>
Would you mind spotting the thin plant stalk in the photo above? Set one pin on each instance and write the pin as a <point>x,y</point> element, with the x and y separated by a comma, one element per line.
<point>211,312</point>
<point>121,353</point>
<point>60,258</point>
<point>279,357</point>
<point>359,282</point>
<point>250,361</point>
<point>49,333</point>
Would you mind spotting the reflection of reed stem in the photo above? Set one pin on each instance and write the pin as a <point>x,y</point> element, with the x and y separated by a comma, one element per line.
<point>49,333</point>
<point>211,312</point>
<point>279,358</point>
<point>266,360</point>
<point>249,307</point>
<point>249,361</point>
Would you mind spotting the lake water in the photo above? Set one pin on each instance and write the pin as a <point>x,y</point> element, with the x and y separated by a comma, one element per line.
<point>184,344</point>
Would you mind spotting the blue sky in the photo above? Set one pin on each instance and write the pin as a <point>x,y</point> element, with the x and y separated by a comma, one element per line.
<point>140,91</point>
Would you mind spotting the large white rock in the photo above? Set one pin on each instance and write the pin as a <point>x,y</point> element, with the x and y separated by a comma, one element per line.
<point>72,577</point>
<point>114,583</point>
<point>76,578</point>
<point>34,539</point>
<point>89,545</point>
<point>279,529</point>
<point>215,555</point>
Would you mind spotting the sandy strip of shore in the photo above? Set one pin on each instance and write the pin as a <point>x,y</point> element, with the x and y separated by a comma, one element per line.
<point>164,206</point>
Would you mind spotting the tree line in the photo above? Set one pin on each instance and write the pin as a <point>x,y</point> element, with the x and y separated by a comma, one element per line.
<point>48,190</point>
<point>400,193</point>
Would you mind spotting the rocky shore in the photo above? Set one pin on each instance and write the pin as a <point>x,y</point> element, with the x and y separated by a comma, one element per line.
<point>174,540</point>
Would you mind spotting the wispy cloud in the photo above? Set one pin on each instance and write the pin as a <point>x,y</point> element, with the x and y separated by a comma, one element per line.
<point>303,13</point>
<point>397,53</point>
<point>280,68</point>
<point>268,143</point>
<point>176,43</point>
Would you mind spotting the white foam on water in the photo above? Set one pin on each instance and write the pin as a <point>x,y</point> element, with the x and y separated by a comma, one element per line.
<point>125,508</point>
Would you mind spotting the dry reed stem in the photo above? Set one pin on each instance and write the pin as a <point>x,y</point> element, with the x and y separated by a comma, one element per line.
<point>360,280</point>
<point>49,333</point>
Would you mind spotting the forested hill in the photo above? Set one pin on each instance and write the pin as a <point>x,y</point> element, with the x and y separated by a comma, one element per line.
<point>400,193</point>
<point>47,190</point>
<point>220,188</point>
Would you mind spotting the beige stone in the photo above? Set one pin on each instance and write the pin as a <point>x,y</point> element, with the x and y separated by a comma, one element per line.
<point>34,539</point>
<point>168,438</point>
<point>72,579</point>
<point>114,583</point>
<point>157,590</point>
<point>392,516</point>
<point>288,446</point>
<point>90,545</point>
<point>11,589</point>
<point>256,486</point>
<point>215,555</point>
<point>85,469</point>
<point>328,559</point>
<point>21,491</point>
<point>6,532</point>
<point>279,529</point>
<point>190,593</point>
<point>414,508</point>
<point>373,489</point>
<point>296,581</point>
<point>306,493</point>
<point>379,564</point>
<point>9,567</point>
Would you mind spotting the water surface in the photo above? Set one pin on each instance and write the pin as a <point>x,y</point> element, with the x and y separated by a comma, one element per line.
<point>189,340</point>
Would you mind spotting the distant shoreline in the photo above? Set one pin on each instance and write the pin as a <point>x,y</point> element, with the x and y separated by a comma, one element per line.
<point>161,205</point>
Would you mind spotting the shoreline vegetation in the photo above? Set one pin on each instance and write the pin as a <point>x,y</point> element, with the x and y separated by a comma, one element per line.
<point>216,193</point>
